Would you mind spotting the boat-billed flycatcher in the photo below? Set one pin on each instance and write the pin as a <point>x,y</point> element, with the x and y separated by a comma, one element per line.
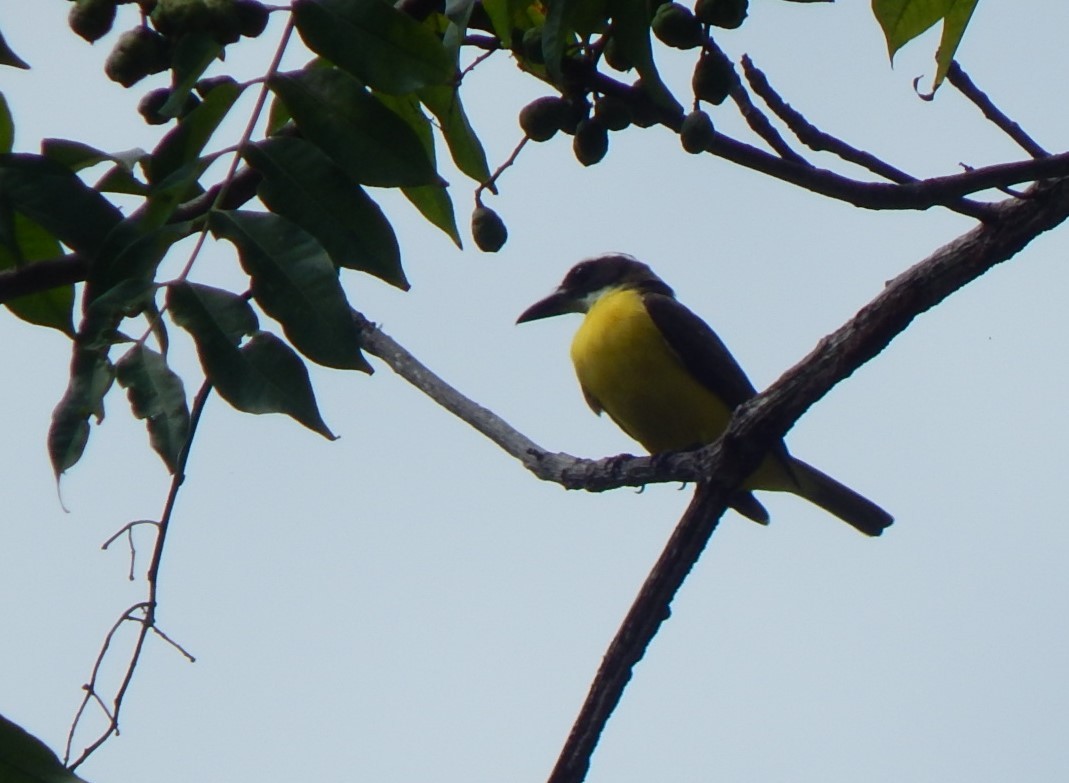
<point>668,381</point>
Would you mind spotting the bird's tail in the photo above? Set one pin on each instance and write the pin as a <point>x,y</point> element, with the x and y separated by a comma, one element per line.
<point>820,488</point>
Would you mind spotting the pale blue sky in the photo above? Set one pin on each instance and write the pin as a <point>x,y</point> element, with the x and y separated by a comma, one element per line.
<point>407,604</point>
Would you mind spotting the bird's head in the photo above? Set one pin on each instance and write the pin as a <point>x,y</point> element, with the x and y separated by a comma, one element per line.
<point>591,279</point>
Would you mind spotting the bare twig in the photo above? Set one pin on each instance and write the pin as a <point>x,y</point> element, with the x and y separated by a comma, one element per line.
<point>754,117</point>
<point>147,608</point>
<point>957,77</point>
<point>128,531</point>
<point>491,184</point>
<point>810,135</point>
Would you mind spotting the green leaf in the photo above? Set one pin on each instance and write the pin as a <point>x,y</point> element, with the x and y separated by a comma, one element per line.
<point>631,29</point>
<point>277,382</point>
<point>464,146</point>
<point>954,24</point>
<point>73,154</point>
<point>558,34</point>
<point>25,759</point>
<point>302,184</point>
<point>432,201</point>
<point>436,206</point>
<point>119,179</point>
<point>50,308</point>
<point>296,283</point>
<point>8,57</point>
<point>54,198</point>
<point>216,315</point>
<point>183,145</point>
<point>904,20</point>
<point>91,377</point>
<point>371,143</point>
<point>76,156</point>
<point>265,376</point>
<point>7,126</point>
<point>156,395</point>
<point>131,255</point>
<point>503,19</point>
<point>192,56</point>
<point>381,46</point>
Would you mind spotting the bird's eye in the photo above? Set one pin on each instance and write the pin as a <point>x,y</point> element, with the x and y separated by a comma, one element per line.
<point>579,274</point>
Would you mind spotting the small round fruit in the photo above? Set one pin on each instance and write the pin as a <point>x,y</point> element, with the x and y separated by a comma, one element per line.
<point>696,134</point>
<point>252,17</point>
<point>591,142</point>
<point>542,117</point>
<point>722,13</point>
<point>615,57</point>
<point>488,230</point>
<point>613,112</point>
<point>676,26</point>
<point>92,19</point>
<point>136,54</point>
<point>713,77</point>
<point>643,110</point>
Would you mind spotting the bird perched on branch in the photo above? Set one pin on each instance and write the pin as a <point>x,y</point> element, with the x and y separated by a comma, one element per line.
<point>667,380</point>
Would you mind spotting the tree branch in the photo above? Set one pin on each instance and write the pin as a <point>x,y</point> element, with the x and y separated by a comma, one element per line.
<point>810,135</point>
<point>41,276</point>
<point>147,608</point>
<point>756,425</point>
<point>957,77</point>
<point>760,422</point>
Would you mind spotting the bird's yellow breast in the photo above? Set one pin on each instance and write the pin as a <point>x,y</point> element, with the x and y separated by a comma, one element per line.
<point>626,367</point>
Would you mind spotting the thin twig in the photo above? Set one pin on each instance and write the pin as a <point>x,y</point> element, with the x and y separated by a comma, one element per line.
<point>754,117</point>
<point>159,632</point>
<point>491,183</point>
<point>148,607</point>
<point>810,135</point>
<point>957,77</point>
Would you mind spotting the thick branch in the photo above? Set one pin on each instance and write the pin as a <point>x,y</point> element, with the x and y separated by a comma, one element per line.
<point>1015,223</point>
<point>764,419</point>
<point>41,276</point>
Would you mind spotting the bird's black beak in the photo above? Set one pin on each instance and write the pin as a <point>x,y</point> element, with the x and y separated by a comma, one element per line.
<point>557,303</point>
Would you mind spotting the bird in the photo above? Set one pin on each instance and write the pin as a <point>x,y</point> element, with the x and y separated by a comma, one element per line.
<point>667,380</point>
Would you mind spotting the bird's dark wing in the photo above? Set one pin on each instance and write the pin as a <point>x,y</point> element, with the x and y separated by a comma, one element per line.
<point>702,353</point>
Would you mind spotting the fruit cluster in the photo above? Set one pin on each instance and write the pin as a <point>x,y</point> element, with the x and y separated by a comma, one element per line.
<point>149,47</point>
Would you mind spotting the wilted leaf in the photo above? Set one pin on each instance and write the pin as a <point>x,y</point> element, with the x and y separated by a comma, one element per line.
<point>156,395</point>
<point>91,377</point>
